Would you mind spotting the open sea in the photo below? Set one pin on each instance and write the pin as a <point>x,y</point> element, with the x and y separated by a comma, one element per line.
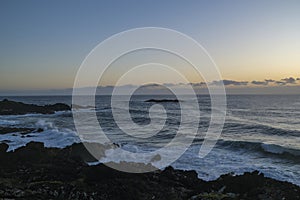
<point>261,132</point>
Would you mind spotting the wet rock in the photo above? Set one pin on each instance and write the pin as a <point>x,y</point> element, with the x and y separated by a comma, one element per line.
<point>242,184</point>
<point>23,131</point>
<point>3,147</point>
<point>37,172</point>
<point>18,108</point>
<point>39,130</point>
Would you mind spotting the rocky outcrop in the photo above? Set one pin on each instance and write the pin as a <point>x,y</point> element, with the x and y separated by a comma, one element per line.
<point>22,131</point>
<point>18,108</point>
<point>36,172</point>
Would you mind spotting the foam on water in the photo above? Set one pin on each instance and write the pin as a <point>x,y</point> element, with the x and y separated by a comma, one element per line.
<point>218,162</point>
<point>51,136</point>
<point>261,133</point>
<point>8,122</point>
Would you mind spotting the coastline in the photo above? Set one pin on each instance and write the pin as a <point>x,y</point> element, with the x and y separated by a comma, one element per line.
<point>34,171</point>
<point>37,172</point>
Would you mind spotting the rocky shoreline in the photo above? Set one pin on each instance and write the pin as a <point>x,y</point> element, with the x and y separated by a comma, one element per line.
<point>36,172</point>
<point>8,107</point>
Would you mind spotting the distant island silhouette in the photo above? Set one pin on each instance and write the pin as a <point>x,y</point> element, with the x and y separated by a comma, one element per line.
<point>162,100</point>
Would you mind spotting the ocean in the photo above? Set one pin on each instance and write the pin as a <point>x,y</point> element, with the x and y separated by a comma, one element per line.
<point>261,132</point>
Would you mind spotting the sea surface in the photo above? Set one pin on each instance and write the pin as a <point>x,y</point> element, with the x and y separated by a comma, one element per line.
<point>261,132</point>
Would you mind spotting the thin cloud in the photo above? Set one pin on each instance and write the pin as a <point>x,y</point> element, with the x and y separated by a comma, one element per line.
<point>266,82</point>
<point>280,82</point>
<point>200,84</point>
<point>270,81</point>
<point>230,82</point>
<point>260,82</point>
<point>290,80</point>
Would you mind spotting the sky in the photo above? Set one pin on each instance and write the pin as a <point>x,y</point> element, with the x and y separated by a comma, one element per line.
<point>43,43</point>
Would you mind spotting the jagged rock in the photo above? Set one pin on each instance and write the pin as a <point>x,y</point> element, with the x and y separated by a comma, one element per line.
<point>3,147</point>
<point>18,108</point>
<point>23,131</point>
<point>36,172</point>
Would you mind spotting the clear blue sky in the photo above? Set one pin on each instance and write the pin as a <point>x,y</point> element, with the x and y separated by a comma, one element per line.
<point>44,42</point>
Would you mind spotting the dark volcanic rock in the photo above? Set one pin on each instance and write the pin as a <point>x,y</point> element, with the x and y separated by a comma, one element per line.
<point>36,172</point>
<point>162,100</point>
<point>23,131</point>
<point>18,108</point>
<point>3,148</point>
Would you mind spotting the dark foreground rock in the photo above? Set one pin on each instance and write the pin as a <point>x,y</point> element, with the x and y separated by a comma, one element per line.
<point>5,130</point>
<point>36,172</point>
<point>162,100</point>
<point>18,108</point>
<point>22,131</point>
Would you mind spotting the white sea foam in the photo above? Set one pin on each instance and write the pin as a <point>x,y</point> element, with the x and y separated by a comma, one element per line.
<point>264,146</point>
<point>44,125</point>
<point>8,122</point>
